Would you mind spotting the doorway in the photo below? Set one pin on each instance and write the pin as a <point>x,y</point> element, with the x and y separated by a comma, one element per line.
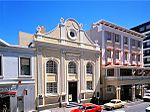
<point>20,103</point>
<point>5,104</point>
<point>72,91</point>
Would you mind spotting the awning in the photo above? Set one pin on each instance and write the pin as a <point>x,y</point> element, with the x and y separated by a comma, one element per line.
<point>8,93</point>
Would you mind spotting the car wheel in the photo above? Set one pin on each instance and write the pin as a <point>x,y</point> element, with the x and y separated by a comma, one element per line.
<point>122,106</point>
<point>112,108</point>
<point>98,111</point>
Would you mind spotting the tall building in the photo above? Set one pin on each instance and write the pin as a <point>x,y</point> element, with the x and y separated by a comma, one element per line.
<point>17,78</point>
<point>68,64</point>
<point>122,74</point>
<point>145,30</point>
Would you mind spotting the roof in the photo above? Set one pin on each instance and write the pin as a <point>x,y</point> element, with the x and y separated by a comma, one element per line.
<point>104,22</point>
<point>88,104</point>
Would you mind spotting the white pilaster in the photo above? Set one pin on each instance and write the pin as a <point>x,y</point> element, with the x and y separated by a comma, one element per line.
<point>103,48</point>
<point>121,53</point>
<point>129,47</point>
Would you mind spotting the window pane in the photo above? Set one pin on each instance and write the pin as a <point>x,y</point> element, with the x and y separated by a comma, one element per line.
<point>25,66</point>
<point>108,53</point>
<point>125,40</point>
<point>89,68</point>
<point>110,72</point>
<point>108,35</point>
<point>51,67</point>
<point>72,67</point>
<point>89,85</point>
<point>51,87</point>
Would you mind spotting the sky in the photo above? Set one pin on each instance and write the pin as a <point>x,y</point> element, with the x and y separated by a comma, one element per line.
<point>25,16</point>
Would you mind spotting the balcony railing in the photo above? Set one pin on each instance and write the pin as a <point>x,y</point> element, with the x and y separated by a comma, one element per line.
<point>126,77</point>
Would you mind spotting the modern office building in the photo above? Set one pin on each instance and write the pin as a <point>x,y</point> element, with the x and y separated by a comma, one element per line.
<point>68,64</point>
<point>145,30</point>
<point>122,72</point>
<point>17,83</point>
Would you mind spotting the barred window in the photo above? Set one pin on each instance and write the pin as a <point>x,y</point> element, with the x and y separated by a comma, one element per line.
<point>51,87</point>
<point>51,67</point>
<point>25,66</point>
<point>89,68</point>
<point>89,85</point>
<point>72,67</point>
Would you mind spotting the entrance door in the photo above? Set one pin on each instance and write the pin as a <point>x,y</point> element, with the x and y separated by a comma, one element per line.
<point>5,104</point>
<point>72,91</point>
<point>20,102</point>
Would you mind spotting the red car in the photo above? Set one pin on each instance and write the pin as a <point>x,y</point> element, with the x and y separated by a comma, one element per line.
<point>88,107</point>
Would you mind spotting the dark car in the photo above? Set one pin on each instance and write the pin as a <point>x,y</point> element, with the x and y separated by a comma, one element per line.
<point>88,107</point>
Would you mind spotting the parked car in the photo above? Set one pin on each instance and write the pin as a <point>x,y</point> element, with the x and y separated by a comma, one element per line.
<point>115,103</point>
<point>147,109</point>
<point>146,97</point>
<point>88,107</point>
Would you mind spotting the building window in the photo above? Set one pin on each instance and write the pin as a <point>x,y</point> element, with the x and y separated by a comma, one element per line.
<point>126,56</point>
<point>117,54</point>
<point>126,40</point>
<point>139,44</point>
<point>108,53</point>
<point>51,67</point>
<point>147,27</point>
<point>25,66</point>
<point>89,68</point>
<point>117,38</point>
<point>0,65</point>
<point>110,72</point>
<point>142,29</point>
<point>51,87</point>
<point>109,88</point>
<point>133,57</point>
<point>89,85</point>
<point>138,57</point>
<point>72,67</point>
<point>133,42</point>
<point>108,35</point>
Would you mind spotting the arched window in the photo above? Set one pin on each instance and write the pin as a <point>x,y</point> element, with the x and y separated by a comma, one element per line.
<point>51,67</point>
<point>72,68</point>
<point>89,68</point>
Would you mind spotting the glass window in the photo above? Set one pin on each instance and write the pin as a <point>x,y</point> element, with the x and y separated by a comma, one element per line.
<point>89,85</point>
<point>89,68</point>
<point>142,29</point>
<point>126,56</point>
<point>133,42</point>
<point>0,65</point>
<point>117,54</point>
<point>108,53</point>
<point>138,57</point>
<point>108,35</point>
<point>72,67</point>
<point>51,67</point>
<point>125,72</point>
<point>51,87</point>
<point>110,72</point>
<point>117,38</point>
<point>25,66</point>
<point>147,27</point>
<point>133,57</point>
<point>126,40</point>
<point>139,44</point>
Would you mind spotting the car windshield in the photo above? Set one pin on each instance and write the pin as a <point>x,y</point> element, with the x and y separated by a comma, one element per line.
<point>82,107</point>
<point>148,95</point>
<point>112,101</point>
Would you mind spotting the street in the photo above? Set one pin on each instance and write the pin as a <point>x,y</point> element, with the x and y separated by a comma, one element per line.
<point>140,107</point>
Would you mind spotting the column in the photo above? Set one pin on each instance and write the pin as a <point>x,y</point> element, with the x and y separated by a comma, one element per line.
<point>62,30</point>
<point>103,48</point>
<point>129,54</point>
<point>118,89</point>
<point>142,90</point>
<point>133,92</point>
<point>97,74</point>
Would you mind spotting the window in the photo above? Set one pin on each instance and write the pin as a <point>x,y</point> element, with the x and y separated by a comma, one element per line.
<point>89,68</point>
<point>133,57</point>
<point>138,57</point>
<point>147,27</point>
<point>126,56</point>
<point>110,72</point>
<point>109,88</point>
<point>126,40</point>
<point>125,72</point>
<point>108,35</point>
<point>117,38</point>
<point>0,65</point>
<point>72,68</point>
<point>142,29</point>
<point>51,87</point>
<point>51,67</point>
<point>133,42</point>
<point>139,44</point>
<point>117,54</point>
<point>25,66</point>
<point>89,85</point>
<point>108,53</point>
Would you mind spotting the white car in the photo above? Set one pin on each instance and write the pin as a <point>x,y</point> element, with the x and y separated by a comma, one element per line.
<point>146,97</point>
<point>147,109</point>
